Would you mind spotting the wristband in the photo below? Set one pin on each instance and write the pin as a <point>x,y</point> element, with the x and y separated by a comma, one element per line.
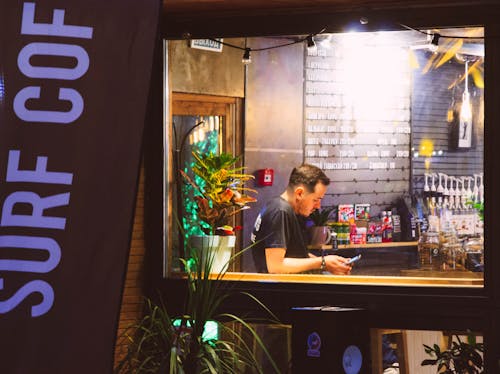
<point>323,263</point>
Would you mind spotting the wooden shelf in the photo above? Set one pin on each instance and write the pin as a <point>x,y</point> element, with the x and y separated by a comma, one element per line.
<point>368,245</point>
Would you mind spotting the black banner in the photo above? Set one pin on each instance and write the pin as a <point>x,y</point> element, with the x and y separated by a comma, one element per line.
<point>74,78</point>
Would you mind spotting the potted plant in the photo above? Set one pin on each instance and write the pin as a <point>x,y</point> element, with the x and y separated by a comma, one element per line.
<point>161,343</point>
<point>319,231</point>
<point>220,193</point>
<point>461,358</point>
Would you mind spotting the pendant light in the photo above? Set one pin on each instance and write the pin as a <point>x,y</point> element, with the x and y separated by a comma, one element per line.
<point>465,129</point>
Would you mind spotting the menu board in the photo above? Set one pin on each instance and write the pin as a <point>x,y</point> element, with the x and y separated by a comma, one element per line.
<point>357,117</point>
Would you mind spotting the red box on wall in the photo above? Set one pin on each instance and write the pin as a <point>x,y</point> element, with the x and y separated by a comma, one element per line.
<point>265,177</point>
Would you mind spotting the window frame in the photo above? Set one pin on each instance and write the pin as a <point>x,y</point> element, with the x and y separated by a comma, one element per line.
<point>399,306</point>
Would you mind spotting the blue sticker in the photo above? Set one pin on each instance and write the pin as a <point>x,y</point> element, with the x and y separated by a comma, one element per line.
<point>313,345</point>
<point>352,360</point>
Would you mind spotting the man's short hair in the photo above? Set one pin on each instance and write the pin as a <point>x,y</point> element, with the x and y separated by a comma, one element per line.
<point>308,176</point>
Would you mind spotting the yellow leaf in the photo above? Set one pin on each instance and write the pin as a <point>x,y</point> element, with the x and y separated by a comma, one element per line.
<point>450,52</point>
<point>477,77</point>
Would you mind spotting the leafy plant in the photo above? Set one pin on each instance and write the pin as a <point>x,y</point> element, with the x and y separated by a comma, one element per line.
<point>479,207</point>
<point>461,358</point>
<point>320,216</point>
<point>221,193</point>
<point>158,345</point>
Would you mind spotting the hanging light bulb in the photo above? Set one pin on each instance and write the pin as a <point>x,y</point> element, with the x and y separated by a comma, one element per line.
<point>435,42</point>
<point>465,129</point>
<point>311,45</point>
<point>246,56</point>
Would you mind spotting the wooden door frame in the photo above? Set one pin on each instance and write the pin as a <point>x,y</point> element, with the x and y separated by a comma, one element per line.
<point>232,134</point>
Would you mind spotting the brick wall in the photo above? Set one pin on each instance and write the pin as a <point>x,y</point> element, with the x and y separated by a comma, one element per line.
<point>131,308</point>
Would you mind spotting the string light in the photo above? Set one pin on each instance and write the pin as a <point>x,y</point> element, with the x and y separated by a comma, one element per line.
<point>435,39</point>
<point>311,44</point>
<point>246,56</point>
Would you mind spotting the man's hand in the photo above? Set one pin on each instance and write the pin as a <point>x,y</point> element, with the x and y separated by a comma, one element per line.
<point>337,265</point>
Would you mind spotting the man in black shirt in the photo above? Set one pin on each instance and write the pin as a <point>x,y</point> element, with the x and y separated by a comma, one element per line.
<point>278,232</point>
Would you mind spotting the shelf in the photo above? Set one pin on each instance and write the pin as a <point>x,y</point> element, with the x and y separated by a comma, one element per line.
<point>368,245</point>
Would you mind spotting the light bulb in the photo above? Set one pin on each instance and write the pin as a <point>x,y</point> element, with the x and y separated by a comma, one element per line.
<point>311,46</point>
<point>246,56</point>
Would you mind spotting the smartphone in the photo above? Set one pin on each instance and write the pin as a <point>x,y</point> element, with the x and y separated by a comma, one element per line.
<point>353,259</point>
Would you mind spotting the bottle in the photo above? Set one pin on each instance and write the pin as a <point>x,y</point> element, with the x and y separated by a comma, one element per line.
<point>429,251</point>
<point>334,241</point>
<point>388,228</point>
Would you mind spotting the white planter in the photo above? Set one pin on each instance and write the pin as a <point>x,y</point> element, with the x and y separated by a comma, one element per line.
<point>220,247</point>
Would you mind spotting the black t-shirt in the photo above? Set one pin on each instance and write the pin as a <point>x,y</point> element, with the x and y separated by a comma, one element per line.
<point>277,226</point>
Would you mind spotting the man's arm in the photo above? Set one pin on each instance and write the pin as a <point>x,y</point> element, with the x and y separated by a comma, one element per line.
<point>277,263</point>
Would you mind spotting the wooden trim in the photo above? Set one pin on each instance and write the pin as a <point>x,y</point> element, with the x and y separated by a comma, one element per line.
<point>180,96</point>
<point>358,280</point>
<point>231,133</point>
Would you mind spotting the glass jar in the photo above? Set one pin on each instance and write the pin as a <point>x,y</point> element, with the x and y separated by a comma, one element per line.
<point>474,254</point>
<point>429,253</point>
<point>453,256</point>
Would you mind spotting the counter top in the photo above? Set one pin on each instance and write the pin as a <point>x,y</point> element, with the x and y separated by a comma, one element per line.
<point>429,279</point>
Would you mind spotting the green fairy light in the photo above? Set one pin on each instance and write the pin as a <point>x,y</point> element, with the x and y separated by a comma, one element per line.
<point>191,222</point>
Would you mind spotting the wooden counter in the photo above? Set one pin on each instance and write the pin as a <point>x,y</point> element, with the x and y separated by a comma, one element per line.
<point>434,280</point>
<point>382,264</point>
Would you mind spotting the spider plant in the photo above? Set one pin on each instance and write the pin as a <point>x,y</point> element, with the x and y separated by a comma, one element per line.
<point>320,216</point>
<point>159,343</point>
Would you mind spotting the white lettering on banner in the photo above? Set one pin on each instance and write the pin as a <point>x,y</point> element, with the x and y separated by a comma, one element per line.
<point>56,28</point>
<point>36,219</point>
<point>40,174</point>
<point>33,92</point>
<point>31,242</point>
<point>39,286</point>
<point>38,204</point>
<point>53,49</point>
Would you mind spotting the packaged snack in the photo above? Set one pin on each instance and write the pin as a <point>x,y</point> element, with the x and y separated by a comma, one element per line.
<point>358,235</point>
<point>362,211</point>
<point>346,212</point>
